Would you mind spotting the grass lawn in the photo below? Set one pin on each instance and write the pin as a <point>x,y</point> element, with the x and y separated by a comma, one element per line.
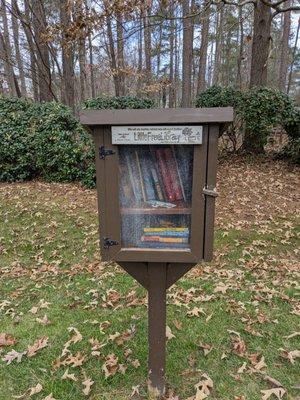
<point>236,319</point>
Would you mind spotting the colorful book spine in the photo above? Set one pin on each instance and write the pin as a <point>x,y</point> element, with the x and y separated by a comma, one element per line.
<point>168,234</point>
<point>159,245</point>
<point>134,177</point>
<point>140,174</point>
<point>157,184</point>
<point>165,175</point>
<point>147,177</point>
<point>163,239</point>
<point>179,174</point>
<point>175,229</point>
<point>171,165</point>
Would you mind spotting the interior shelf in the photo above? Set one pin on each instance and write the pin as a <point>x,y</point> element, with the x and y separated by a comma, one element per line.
<point>178,210</point>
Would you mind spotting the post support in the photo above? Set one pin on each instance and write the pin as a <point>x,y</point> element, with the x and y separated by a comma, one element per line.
<point>157,286</point>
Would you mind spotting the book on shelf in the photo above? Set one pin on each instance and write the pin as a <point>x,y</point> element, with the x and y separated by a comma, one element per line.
<point>156,173</point>
<point>164,239</point>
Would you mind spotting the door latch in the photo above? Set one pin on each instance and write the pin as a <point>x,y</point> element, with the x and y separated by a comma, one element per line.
<point>107,243</point>
<point>103,152</point>
<point>210,192</point>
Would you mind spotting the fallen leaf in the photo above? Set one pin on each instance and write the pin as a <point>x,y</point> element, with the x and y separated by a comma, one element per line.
<point>43,321</point>
<point>37,346</point>
<point>273,381</point>
<point>49,397</point>
<point>30,392</point>
<point>6,340</point>
<point>135,391</point>
<point>290,355</point>
<point>13,355</point>
<point>278,392</point>
<point>242,369</point>
<point>136,363</point>
<point>71,377</point>
<point>87,383</point>
<point>195,312</point>
<point>207,348</point>
<point>169,334</point>
<point>177,324</point>
<point>292,335</point>
<point>111,365</point>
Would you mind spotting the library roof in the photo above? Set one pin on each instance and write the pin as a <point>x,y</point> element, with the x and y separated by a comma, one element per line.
<point>157,116</point>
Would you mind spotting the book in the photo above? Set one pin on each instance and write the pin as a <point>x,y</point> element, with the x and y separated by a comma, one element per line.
<point>164,239</point>
<point>165,174</point>
<point>171,165</point>
<point>158,245</point>
<point>179,174</point>
<point>161,229</point>
<point>140,174</point>
<point>134,177</point>
<point>147,177</point>
<point>168,234</point>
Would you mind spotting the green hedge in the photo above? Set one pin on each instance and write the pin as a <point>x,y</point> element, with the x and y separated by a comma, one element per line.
<point>46,141</point>
<point>258,111</point>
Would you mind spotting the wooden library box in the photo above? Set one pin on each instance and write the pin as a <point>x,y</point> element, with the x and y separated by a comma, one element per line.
<point>156,182</point>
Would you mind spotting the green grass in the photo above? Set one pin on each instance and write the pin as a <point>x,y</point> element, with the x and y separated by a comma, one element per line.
<point>49,250</point>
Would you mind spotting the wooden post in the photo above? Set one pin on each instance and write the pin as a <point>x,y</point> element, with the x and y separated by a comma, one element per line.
<point>157,280</point>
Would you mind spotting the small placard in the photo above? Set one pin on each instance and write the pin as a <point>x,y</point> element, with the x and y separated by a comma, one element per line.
<point>153,134</point>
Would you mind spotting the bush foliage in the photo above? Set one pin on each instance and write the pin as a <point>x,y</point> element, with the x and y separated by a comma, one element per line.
<point>257,110</point>
<point>117,103</point>
<point>46,141</point>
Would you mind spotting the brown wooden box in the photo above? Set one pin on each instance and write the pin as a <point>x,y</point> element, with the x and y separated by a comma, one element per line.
<point>202,208</point>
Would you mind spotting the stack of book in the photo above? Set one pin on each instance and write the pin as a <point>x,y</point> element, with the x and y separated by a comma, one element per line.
<point>165,237</point>
<point>154,173</point>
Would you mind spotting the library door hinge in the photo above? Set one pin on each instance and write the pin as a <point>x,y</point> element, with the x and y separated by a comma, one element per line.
<point>107,243</point>
<point>210,192</point>
<point>103,152</point>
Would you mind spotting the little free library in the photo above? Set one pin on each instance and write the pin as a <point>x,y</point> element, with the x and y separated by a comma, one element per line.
<point>156,183</point>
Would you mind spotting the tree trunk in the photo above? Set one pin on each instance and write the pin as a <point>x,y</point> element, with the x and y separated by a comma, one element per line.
<point>293,58</point>
<point>7,52</point>
<point>112,55</point>
<point>26,23</point>
<point>239,79</point>
<point>172,99</point>
<point>203,48</point>
<point>15,28</point>
<point>284,51</point>
<point>42,55</point>
<point>120,54</point>
<point>219,45</point>
<point>68,89</point>
<point>147,45</point>
<point>187,54</point>
<point>261,44</point>
<point>140,54</point>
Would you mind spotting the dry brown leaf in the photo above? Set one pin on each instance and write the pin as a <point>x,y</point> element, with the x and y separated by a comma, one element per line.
<point>261,364</point>
<point>195,312</point>
<point>75,361</point>
<point>207,348</point>
<point>13,355</point>
<point>111,365</point>
<point>242,369</point>
<point>38,345</point>
<point>49,397</point>
<point>278,392</point>
<point>204,387</point>
<point>136,363</point>
<point>169,334</point>
<point>30,392</point>
<point>87,383</point>
<point>6,340</point>
<point>43,321</point>
<point>135,391</point>
<point>273,381</point>
<point>71,377</point>
<point>221,288</point>
<point>290,355</point>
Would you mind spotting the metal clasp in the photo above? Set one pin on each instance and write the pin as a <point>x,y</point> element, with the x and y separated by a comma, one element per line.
<point>107,242</point>
<point>103,152</point>
<point>210,192</point>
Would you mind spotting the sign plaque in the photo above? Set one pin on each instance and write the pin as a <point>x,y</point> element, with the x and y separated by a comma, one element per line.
<point>155,134</point>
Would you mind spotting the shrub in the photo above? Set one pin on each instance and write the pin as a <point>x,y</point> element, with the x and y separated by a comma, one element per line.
<point>116,103</point>
<point>217,96</point>
<point>257,111</point>
<point>41,140</point>
<point>17,153</point>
